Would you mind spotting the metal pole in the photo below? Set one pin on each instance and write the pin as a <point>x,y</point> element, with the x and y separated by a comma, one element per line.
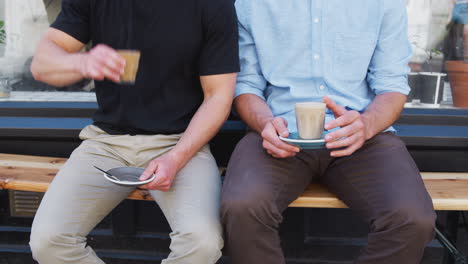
<point>452,255</point>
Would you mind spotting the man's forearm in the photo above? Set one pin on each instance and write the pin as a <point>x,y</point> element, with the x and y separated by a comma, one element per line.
<point>55,66</point>
<point>203,127</point>
<point>253,110</point>
<point>384,110</point>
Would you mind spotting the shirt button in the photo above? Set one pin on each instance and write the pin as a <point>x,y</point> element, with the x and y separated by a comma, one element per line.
<point>316,20</point>
<point>316,57</point>
<point>322,87</point>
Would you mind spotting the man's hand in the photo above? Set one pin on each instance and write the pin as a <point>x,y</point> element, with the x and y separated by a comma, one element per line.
<point>102,62</point>
<point>165,168</point>
<point>272,143</point>
<point>352,134</point>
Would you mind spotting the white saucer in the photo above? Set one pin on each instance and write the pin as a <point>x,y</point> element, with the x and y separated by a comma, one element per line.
<point>294,139</point>
<point>128,176</point>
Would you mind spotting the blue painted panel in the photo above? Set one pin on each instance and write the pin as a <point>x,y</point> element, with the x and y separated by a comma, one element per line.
<point>432,131</point>
<point>76,123</point>
<point>86,105</point>
<point>44,123</point>
<point>79,123</point>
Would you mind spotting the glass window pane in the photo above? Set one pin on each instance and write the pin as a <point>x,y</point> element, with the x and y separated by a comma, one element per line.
<point>23,24</point>
<point>436,31</point>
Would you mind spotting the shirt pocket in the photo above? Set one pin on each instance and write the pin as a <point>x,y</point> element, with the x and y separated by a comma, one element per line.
<point>352,55</point>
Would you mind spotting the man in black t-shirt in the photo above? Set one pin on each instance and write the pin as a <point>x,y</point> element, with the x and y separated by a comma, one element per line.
<point>181,97</point>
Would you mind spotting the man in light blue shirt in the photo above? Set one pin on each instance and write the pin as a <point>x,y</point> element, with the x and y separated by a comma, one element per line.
<point>354,56</point>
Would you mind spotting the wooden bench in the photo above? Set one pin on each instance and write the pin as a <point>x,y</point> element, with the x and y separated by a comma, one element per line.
<point>449,191</point>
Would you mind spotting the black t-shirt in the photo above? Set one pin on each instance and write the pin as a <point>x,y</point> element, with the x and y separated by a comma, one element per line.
<point>179,40</point>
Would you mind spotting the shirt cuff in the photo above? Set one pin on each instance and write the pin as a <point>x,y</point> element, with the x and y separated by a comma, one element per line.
<point>246,88</point>
<point>391,85</point>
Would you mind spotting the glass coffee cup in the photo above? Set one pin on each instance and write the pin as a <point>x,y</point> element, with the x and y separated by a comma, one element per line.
<point>310,119</point>
<point>132,60</point>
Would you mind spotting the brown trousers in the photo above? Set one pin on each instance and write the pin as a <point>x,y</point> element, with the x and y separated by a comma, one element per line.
<point>380,182</point>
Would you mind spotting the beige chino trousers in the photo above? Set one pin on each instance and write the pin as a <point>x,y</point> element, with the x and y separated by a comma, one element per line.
<point>80,197</point>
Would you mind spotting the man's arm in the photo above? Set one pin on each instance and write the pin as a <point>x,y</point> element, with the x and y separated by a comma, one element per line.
<point>59,62</point>
<point>218,95</point>
<point>258,116</point>
<point>253,110</point>
<point>218,65</point>
<point>356,128</point>
<point>387,78</point>
<point>384,110</point>
<point>250,103</point>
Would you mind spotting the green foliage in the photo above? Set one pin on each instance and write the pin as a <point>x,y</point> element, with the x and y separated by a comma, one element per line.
<point>436,51</point>
<point>2,32</point>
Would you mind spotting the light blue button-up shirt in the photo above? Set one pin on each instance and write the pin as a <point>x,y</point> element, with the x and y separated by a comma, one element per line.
<point>300,50</point>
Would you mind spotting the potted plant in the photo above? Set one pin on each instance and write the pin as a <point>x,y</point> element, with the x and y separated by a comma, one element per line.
<point>2,32</point>
<point>456,55</point>
<point>4,83</point>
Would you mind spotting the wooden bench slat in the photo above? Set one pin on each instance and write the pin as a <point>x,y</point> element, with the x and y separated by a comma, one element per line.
<point>449,191</point>
<point>444,175</point>
<point>318,196</point>
<point>26,178</point>
<point>448,194</point>
<point>31,161</point>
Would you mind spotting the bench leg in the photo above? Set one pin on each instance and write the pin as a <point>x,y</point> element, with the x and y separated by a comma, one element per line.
<point>452,255</point>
